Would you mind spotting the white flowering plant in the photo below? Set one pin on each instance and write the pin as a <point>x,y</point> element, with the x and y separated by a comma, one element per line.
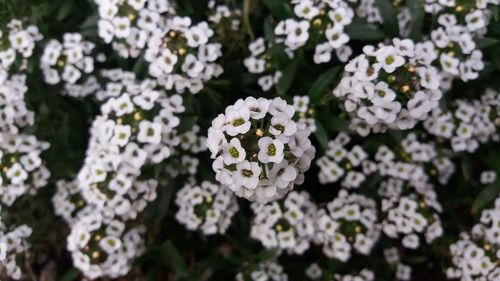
<point>250,140</point>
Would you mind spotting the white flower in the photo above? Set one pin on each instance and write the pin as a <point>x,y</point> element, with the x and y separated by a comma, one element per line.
<point>270,150</point>
<point>122,27</point>
<point>306,9</point>
<point>488,177</point>
<point>282,174</point>
<point>110,244</point>
<point>121,135</point>
<point>16,174</point>
<point>281,124</point>
<point>238,121</point>
<point>233,153</point>
<point>166,61</point>
<point>475,20</point>
<point>336,36</point>
<point>248,174</point>
<point>192,66</point>
<point>389,59</point>
<point>149,132</point>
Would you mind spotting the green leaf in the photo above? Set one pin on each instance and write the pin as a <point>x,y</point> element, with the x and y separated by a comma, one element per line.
<point>265,255</point>
<point>279,9</point>
<point>64,10</point>
<point>485,42</point>
<point>320,86</point>
<point>389,17</point>
<point>321,135</point>
<point>166,195</point>
<point>417,15</point>
<point>466,167</point>
<point>288,76</point>
<point>180,266</point>
<point>359,30</point>
<point>70,274</point>
<point>486,196</point>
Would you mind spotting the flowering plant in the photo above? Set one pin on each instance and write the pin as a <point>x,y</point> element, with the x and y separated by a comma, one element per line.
<point>250,140</point>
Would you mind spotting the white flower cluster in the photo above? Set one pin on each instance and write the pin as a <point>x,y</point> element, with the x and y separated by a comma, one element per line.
<point>459,56</point>
<point>413,161</point>
<point>368,10</point>
<point>69,203</point>
<point>128,24</point>
<point>21,168</point>
<point>471,123</point>
<point>305,112</point>
<point>326,18</point>
<point>259,152</point>
<point>136,129</point>
<point>67,61</point>
<point>13,244</point>
<point>265,271</point>
<point>19,43</point>
<point>182,55</point>
<point>392,257</point>
<point>223,14</point>
<point>101,248</point>
<point>410,215</point>
<point>475,256</point>
<point>434,7</point>
<point>189,143</point>
<point>260,61</point>
<point>314,272</point>
<point>390,86</point>
<point>407,162</point>
<point>288,225</point>
<point>348,223</point>
<point>340,162</point>
<point>14,114</point>
<point>208,207</point>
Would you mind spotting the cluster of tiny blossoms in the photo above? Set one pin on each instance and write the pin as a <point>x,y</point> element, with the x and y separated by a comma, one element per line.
<point>208,207</point>
<point>13,244</point>
<point>411,161</point>
<point>22,170</point>
<point>260,61</point>
<point>469,124</point>
<point>182,56</point>
<point>318,21</point>
<point>129,24</point>
<point>476,256</point>
<point>340,161</point>
<point>410,213</point>
<point>67,61</point>
<point>288,225</point>
<point>348,223</point>
<point>305,112</point>
<point>18,43</point>
<point>314,272</point>
<point>265,271</point>
<point>14,113</point>
<point>136,129</point>
<point>189,144</point>
<point>459,56</point>
<point>259,152</point>
<point>390,86</point>
<point>104,249</point>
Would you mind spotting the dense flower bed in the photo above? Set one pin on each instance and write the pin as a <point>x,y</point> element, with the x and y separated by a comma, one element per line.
<point>250,140</point>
